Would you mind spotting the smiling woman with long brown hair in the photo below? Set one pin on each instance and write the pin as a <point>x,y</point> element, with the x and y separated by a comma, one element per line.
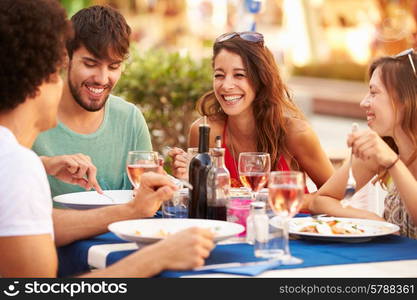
<point>251,109</point>
<point>387,150</point>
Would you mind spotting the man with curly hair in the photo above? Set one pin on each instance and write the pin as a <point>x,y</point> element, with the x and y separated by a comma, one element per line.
<point>95,131</point>
<point>32,51</point>
<point>30,91</point>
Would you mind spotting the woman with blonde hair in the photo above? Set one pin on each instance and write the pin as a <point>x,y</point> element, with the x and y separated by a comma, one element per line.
<point>386,151</point>
<point>251,109</point>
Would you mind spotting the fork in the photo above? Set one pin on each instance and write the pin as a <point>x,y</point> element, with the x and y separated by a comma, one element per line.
<point>350,186</point>
<point>317,217</point>
<point>351,182</point>
<point>180,182</point>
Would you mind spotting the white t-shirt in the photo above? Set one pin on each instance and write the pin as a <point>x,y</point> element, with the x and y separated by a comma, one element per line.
<point>25,196</point>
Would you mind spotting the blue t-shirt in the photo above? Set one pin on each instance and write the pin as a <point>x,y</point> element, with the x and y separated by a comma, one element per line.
<point>123,129</point>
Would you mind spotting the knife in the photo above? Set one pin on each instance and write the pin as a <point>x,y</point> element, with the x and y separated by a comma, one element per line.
<point>237,264</point>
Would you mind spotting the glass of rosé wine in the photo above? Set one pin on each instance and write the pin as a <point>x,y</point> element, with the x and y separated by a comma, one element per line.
<point>254,168</point>
<point>285,196</point>
<point>139,162</point>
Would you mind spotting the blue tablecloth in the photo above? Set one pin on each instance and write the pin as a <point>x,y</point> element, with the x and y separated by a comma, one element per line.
<point>73,258</point>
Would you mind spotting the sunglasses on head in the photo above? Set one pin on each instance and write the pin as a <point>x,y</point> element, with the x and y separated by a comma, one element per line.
<point>408,53</point>
<point>250,36</point>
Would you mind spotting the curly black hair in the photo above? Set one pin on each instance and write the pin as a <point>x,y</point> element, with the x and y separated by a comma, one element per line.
<point>32,47</point>
<point>102,30</point>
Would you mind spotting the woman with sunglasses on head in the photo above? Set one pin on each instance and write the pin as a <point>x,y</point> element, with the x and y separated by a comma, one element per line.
<point>251,109</point>
<point>387,150</point>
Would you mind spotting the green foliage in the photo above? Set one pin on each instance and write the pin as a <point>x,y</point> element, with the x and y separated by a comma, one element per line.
<point>72,6</point>
<point>166,86</point>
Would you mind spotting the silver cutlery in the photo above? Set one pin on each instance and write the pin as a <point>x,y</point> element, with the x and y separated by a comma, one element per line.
<point>272,262</point>
<point>107,196</point>
<point>317,217</point>
<point>351,182</point>
<point>104,194</point>
<point>180,182</point>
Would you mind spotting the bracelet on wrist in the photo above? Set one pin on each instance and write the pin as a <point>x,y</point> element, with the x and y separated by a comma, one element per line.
<point>393,163</point>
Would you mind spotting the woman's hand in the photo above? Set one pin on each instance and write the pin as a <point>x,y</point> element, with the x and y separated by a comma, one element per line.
<point>368,145</point>
<point>179,163</point>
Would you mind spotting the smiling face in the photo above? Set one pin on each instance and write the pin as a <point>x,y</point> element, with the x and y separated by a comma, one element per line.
<point>231,84</point>
<point>379,110</point>
<point>91,79</point>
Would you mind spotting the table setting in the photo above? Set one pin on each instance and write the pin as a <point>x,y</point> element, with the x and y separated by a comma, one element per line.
<point>234,257</point>
<point>105,249</point>
<point>292,241</point>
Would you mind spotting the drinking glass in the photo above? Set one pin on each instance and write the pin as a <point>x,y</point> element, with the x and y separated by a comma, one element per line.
<point>177,206</point>
<point>139,162</point>
<point>254,168</point>
<point>238,206</point>
<point>286,191</point>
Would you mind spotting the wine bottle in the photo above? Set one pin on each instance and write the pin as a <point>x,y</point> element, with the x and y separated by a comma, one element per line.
<point>218,184</point>
<point>198,171</point>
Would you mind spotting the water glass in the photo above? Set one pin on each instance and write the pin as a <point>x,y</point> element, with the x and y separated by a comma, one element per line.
<point>270,242</point>
<point>262,196</point>
<point>177,206</point>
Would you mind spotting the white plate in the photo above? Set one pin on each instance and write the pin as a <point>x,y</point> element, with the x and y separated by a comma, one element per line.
<point>152,230</point>
<point>92,199</point>
<point>371,229</point>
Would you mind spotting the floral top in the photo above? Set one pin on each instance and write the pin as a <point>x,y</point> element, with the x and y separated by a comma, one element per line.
<point>395,212</point>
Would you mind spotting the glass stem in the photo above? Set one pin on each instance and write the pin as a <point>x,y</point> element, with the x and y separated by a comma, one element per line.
<point>285,231</point>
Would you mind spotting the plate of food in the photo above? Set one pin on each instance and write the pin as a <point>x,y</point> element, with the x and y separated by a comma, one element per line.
<point>338,229</point>
<point>92,199</point>
<point>146,231</point>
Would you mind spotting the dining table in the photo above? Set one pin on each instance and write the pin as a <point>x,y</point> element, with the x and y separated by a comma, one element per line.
<point>383,256</point>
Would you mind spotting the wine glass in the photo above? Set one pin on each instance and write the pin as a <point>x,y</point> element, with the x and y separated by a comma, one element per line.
<point>139,162</point>
<point>286,191</point>
<point>254,168</point>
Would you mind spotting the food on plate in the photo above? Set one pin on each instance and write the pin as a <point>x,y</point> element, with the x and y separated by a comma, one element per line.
<point>161,233</point>
<point>332,227</point>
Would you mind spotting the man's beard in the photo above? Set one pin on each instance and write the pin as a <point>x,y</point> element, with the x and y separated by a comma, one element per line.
<point>77,98</point>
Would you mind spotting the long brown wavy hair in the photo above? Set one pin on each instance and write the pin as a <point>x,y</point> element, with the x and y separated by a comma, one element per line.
<point>400,81</point>
<point>272,104</point>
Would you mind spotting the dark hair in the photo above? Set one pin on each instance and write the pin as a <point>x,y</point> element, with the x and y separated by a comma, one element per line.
<point>399,80</point>
<point>32,47</point>
<point>272,104</point>
<point>102,30</point>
